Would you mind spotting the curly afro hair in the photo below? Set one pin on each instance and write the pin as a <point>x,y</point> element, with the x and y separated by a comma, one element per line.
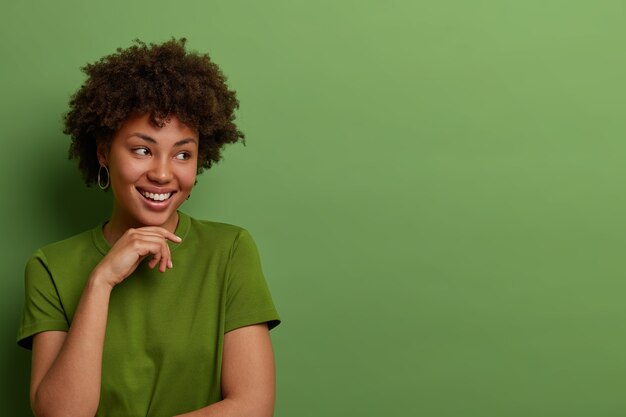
<point>159,79</point>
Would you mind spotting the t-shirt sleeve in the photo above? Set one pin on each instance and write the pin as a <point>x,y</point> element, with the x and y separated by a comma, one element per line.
<point>43,310</point>
<point>248,300</point>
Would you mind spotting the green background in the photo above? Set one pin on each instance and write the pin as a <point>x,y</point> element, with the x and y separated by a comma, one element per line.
<point>436,188</point>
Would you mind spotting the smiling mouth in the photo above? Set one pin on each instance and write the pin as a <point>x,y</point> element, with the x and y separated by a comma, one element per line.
<point>155,197</point>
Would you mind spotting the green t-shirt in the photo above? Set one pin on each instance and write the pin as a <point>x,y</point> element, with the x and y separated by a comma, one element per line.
<point>165,331</point>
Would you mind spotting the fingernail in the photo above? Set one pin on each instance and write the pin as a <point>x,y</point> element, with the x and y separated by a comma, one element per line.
<point>179,238</point>
<point>170,264</point>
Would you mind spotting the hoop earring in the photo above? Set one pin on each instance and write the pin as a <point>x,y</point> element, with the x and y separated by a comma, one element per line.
<point>105,186</point>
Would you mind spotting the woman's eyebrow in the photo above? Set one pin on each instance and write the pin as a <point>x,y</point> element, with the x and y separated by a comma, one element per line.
<point>144,137</point>
<point>154,141</point>
<point>185,141</point>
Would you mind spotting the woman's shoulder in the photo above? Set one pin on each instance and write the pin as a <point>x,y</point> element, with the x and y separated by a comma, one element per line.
<point>217,231</point>
<point>69,246</point>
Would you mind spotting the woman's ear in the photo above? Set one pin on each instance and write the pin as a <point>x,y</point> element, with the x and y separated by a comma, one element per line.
<point>103,154</point>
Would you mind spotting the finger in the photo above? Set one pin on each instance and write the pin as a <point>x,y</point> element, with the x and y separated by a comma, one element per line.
<point>151,234</point>
<point>156,230</point>
<point>150,245</point>
<point>166,260</point>
<point>157,258</point>
<point>164,263</point>
<point>150,242</point>
<point>162,255</point>
<point>153,262</point>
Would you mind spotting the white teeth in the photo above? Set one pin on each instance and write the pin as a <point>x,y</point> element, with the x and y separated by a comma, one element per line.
<point>157,197</point>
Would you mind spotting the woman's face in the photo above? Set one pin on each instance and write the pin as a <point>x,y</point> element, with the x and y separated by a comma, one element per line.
<point>152,171</point>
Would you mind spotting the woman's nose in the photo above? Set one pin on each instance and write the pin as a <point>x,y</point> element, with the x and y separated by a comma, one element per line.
<point>160,171</point>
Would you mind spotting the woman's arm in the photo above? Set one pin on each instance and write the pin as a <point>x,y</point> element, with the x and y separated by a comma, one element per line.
<point>248,376</point>
<point>67,367</point>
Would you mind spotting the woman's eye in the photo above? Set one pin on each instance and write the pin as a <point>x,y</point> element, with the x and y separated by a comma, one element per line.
<point>183,156</point>
<point>141,151</point>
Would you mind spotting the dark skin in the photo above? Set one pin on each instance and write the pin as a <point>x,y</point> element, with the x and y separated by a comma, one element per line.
<point>67,366</point>
<point>160,80</point>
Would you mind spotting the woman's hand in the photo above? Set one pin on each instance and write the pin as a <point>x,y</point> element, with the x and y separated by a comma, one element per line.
<point>130,249</point>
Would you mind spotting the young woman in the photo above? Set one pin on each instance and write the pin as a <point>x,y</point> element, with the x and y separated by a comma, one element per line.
<point>153,313</point>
